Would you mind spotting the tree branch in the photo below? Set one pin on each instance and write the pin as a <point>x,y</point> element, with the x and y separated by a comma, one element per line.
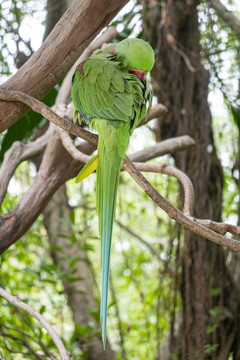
<point>164,147</point>
<point>178,174</point>
<point>21,305</point>
<point>169,145</point>
<point>176,214</point>
<point>18,153</point>
<point>48,113</point>
<point>159,168</point>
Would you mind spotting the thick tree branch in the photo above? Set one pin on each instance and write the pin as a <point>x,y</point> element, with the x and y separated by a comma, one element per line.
<point>164,147</point>
<point>21,305</point>
<point>18,153</point>
<point>227,16</point>
<point>82,21</point>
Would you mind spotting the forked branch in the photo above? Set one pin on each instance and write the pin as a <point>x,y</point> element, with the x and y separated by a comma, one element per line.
<point>176,214</point>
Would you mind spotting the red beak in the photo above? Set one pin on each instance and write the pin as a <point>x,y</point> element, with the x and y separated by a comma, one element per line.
<point>139,73</point>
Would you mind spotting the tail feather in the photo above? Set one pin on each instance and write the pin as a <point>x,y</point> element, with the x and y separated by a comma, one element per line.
<point>107,184</point>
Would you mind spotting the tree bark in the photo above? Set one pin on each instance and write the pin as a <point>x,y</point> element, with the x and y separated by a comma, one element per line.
<point>210,315</point>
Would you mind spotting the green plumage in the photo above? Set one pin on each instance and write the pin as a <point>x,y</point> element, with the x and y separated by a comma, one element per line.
<point>110,92</point>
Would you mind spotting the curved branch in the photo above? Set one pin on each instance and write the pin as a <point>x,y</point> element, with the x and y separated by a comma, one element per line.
<point>221,228</point>
<point>159,168</point>
<point>156,111</point>
<point>168,146</point>
<point>176,214</point>
<point>21,305</point>
<point>71,148</point>
<point>178,174</point>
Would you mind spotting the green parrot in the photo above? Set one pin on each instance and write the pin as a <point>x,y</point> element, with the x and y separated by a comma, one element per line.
<point>110,92</point>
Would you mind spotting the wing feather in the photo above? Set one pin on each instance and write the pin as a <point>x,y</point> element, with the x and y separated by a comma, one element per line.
<point>105,90</point>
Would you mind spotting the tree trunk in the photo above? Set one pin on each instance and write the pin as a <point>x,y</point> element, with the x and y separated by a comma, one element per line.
<point>210,308</point>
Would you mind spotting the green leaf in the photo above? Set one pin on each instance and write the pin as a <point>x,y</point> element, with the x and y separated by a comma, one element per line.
<point>210,348</point>
<point>72,216</point>
<point>74,261</point>
<point>214,311</point>
<point>211,328</point>
<point>95,314</point>
<point>73,279</point>
<point>82,330</point>
<point>73,239</point>
<point>215,291</point>
<point>42,309</point>
<point>87,247</point>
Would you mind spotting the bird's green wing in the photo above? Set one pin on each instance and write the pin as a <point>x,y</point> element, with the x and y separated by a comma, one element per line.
<point>101,89</point>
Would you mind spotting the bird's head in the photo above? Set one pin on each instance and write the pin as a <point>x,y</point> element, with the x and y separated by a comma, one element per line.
<point>139,56</point>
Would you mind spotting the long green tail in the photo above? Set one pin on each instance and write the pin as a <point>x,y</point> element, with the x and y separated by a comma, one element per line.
<point>107,183</point>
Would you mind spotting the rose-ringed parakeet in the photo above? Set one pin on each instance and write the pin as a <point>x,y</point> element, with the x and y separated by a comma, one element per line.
<point>110,91</point>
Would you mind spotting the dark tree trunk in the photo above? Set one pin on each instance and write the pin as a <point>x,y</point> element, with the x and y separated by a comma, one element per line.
<point>55,9</point>
<point>210,299</point>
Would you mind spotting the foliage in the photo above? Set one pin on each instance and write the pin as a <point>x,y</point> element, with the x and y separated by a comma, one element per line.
<point>28,272</point>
